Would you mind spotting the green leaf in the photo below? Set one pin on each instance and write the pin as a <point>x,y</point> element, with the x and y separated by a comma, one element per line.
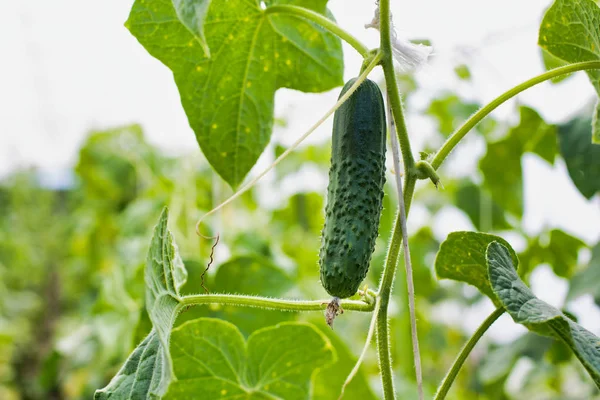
<point>581,156</point>
<point>484,212</point>
<point>501,165</point>
<point>586,281</point>
<point>149,369</point>
<point>214,361</point>
<point>462,258</point>
<point>569,31</point>
<point>228,96</point>
<point>596,124</point>
<point>141,375</point>
<point>528,310</point>
<point>463,72</point>
<point>450,111</point>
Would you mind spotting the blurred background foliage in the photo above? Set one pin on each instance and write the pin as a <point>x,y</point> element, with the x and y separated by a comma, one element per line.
<point>72,256</point>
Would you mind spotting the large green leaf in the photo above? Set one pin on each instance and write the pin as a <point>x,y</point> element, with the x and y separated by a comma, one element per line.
<point>462,258</point>
<point>149,369</point>
<point>228,95</point>
<point>526,309</point>
<point>570,31</point>
<point>214,361</point>
<point>581,155</point>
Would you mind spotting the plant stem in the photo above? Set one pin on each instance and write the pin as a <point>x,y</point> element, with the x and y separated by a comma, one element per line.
<point>464,353</point>
<point>408,265</point>
<point>321,20</point>
<point>457,136</point>
<point>272,304</point>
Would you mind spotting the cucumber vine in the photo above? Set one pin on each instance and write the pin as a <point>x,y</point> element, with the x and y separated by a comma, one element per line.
<point>321,25</point>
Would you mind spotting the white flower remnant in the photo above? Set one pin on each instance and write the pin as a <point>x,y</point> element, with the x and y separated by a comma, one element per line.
<point>409,56</point>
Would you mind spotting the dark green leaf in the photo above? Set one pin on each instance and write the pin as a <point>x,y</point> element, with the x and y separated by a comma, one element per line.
<point>214,361</point>
<point>228,96</point>
<point>462,258</point>
<point>528,310</point>
<point>581,156</point>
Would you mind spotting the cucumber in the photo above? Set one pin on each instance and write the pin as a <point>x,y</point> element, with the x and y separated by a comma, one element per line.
<point>355,190</point>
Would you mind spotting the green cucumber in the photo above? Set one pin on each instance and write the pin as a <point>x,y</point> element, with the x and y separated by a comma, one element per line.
<point>355,191</point>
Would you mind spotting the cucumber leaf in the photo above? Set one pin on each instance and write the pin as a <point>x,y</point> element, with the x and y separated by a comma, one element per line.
<point>228,58</point>
<point>462,258</point>
<point>214,361</point>
<point>526,309</point>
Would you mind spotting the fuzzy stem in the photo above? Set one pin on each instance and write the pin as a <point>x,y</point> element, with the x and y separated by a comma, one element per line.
<point>460,133</point>
<point>272,304</point>
<point>407,262</point>
<point>464,353</point>
<point>321,20</point>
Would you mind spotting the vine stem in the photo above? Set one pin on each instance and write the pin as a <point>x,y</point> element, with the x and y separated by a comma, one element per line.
<point>272,304</point>
<point>464,353</point>
<point>460,133</point>
<point>389,269</point>
<point>375,61</point>
<point>407,262</point>
<point>321,20</point>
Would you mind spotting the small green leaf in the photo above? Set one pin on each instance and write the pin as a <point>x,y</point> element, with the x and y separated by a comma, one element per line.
<point>581,155</point>
<point>214,361</point>
<point>149,369</point>
<point>463,72</point>
<point>449,111</point>
<point>228,96</point>
<point>528,310</point>
<point>462,258</point>
<point>569,32</point>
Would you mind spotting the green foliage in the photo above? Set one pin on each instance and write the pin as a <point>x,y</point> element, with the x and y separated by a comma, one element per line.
<point>569,32</point>
<point>526,309</point>
<point>462,257</point>
<point>581,156</point>
<point>252,54</point>
<point>276,362</point>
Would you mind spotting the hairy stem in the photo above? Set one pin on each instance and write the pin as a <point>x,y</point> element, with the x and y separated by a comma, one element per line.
<point>464,353</point>
<point>407,262</point>
<point>272,304</point>
<point>321,20</point>
<point>460,133</point>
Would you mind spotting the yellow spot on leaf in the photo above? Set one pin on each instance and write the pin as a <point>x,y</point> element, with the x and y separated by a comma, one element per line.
<point>191,43</point>
<point>288,62</point>
<point>223,392</point>
<point>288,364</point>
<point>266,68</point>
<point>247,130</point>
<point>276,55</point>
<point>230,37</point>
<point>214,126</point>
<point>248,84</point>
<point>198,68</point>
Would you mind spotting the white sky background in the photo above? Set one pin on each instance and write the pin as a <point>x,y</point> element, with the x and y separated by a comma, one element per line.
<point>70,66</point>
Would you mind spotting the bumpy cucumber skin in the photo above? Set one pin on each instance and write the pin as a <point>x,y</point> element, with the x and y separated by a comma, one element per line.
<point>355,191</point>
